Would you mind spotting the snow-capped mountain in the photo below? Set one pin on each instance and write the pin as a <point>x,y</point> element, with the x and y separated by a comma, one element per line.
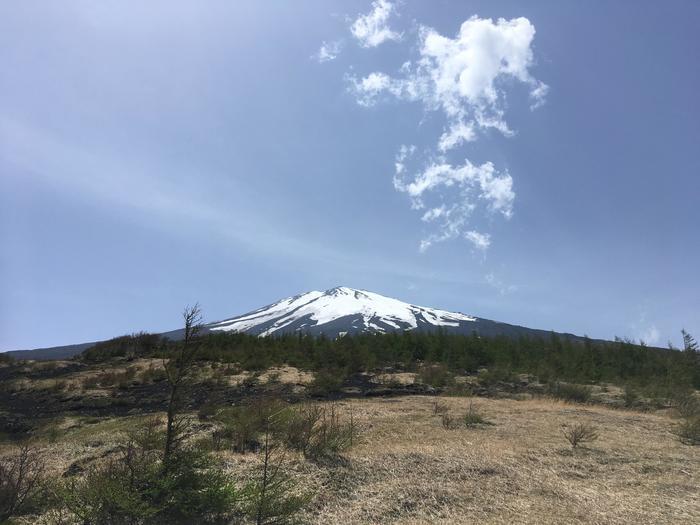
<point>334,313</point>
<point>338,311</point>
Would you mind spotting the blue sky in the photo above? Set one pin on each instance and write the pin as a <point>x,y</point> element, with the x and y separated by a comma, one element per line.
<point>154,154</point>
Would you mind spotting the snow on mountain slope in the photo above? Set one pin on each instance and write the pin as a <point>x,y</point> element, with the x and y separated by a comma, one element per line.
<point>337,311</point>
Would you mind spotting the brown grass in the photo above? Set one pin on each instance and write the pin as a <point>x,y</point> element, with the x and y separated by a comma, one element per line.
<point>520,470</point>
<point>408,469</point>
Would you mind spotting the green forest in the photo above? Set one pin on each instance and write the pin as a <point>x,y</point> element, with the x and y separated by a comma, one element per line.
<point>553,358</point>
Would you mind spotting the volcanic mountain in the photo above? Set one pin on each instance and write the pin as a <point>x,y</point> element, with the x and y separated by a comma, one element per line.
<point>334,313</point>
<point>341,311</point>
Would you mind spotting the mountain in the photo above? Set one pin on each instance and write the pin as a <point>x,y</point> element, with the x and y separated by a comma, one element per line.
<point>344,310</point>
<point>334,313</point>
<point>340,311</point>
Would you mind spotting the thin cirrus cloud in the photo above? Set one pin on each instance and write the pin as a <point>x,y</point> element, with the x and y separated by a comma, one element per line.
<point>462,79</point>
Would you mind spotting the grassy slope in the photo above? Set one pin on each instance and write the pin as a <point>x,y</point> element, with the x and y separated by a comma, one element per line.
<point>408,469</point>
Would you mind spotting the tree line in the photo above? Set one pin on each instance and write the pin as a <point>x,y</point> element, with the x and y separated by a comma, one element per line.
<point>553,358</point>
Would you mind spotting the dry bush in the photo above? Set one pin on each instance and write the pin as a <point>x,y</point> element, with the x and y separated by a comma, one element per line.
<point>447,420</point>
<point>318,431</point>
<point>152,375</point>
<point>474,417</point>
<point>571,392</point>
<point>580,433</point>
<point>439,407</point>
<point>687,404</point>
<point>20,481</point>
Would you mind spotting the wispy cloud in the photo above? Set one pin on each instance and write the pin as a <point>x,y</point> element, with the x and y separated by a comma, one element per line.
<point>499,285</point>
<point>463,79</point>
<point>451,194</point>
<point>480,241</point>
<point>372,29</point>
<point>329,51</point>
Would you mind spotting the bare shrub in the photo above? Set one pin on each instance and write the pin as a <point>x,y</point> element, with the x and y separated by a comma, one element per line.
<point>474,417</point>
<point>439,407</point>
<point>447,420</point>
<point>20,480</point>
<point>319,431</point>
<point>580,433</point>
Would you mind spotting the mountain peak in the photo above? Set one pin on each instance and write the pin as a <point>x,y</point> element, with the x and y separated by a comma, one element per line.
<point>338,311</point>
<point>344,290</point>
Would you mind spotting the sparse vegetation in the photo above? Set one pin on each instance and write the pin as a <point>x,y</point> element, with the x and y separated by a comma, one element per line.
<point>474,417</point>
<point>21,477</point>
<point>447,420</point>
<point>688,408</point>
<point>631,397</point>
<point>570,392</point>
<point>580,433</point>
<point>273,497</point>
<point>319,431</point>
<point>327,381</point>
<point>135,487</point>
<point>688,431</point>
<point>439,407</point>
<point>436,375</point>
<point>131,474</point>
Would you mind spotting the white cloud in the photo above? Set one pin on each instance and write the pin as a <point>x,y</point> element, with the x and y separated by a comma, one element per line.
<point>458,191</point>
<point>480,240</point>
<point>483,182</point>
<point>329,51</point>
<point>368,89</point>
<point>399,163</point>
<point>372,29</point>
<point>434,213</point>
<point>538,95</point>
<point>465,77</point>
<point>459,132</point>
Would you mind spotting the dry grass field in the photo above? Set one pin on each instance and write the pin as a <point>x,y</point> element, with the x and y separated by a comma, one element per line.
<point>408,469</point>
